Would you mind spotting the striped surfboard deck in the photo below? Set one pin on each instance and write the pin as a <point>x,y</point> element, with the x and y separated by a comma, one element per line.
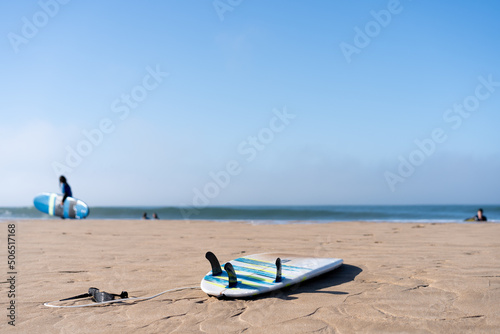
<point>257,274</point>
<point>50,203</point>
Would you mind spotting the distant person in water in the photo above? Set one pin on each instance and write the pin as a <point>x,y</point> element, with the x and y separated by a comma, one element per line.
<point>65,188</point>
<point>480,217</point>
<point>155,216</point>
<point>145,216</point>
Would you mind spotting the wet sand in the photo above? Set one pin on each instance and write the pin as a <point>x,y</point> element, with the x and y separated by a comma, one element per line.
<point>412,278</point>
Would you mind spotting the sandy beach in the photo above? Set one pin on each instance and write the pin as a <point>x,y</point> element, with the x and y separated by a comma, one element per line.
<point>396,278</point>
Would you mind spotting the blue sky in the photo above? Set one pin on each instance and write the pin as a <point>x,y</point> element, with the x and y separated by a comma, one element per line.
<point>250,102</point>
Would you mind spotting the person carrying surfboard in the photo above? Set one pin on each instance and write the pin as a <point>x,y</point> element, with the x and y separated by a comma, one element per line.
<point>478,218</point>
<point>65,188</point>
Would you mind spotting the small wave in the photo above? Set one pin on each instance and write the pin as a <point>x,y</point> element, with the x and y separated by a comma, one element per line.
<point>6,213</point>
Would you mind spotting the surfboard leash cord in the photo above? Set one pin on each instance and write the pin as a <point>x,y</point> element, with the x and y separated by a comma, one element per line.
<point>104,298</point>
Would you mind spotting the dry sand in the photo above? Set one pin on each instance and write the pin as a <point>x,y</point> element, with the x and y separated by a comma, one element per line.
<point>396,278</point>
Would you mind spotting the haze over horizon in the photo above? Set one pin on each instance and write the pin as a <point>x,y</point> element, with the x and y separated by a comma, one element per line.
<point>216,103</point>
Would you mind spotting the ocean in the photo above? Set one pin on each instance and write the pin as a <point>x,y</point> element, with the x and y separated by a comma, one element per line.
<point>282,214</point>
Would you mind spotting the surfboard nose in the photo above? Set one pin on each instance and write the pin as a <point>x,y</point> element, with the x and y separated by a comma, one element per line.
<point>41,202</point>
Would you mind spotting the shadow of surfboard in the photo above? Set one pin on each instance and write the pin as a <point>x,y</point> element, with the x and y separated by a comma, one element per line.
<point>344,274</point>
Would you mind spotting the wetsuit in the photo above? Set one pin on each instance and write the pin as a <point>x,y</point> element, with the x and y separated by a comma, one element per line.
<point>66,190</point>
<point>483,218</point>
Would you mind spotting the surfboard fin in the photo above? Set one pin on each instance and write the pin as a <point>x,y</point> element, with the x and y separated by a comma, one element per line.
<point>233,281</point>
<point>278,270</point>
<point>214,262</point>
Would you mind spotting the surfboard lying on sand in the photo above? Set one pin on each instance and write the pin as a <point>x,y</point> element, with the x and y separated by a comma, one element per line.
<point>260,273</point>
<point>50,203</point>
